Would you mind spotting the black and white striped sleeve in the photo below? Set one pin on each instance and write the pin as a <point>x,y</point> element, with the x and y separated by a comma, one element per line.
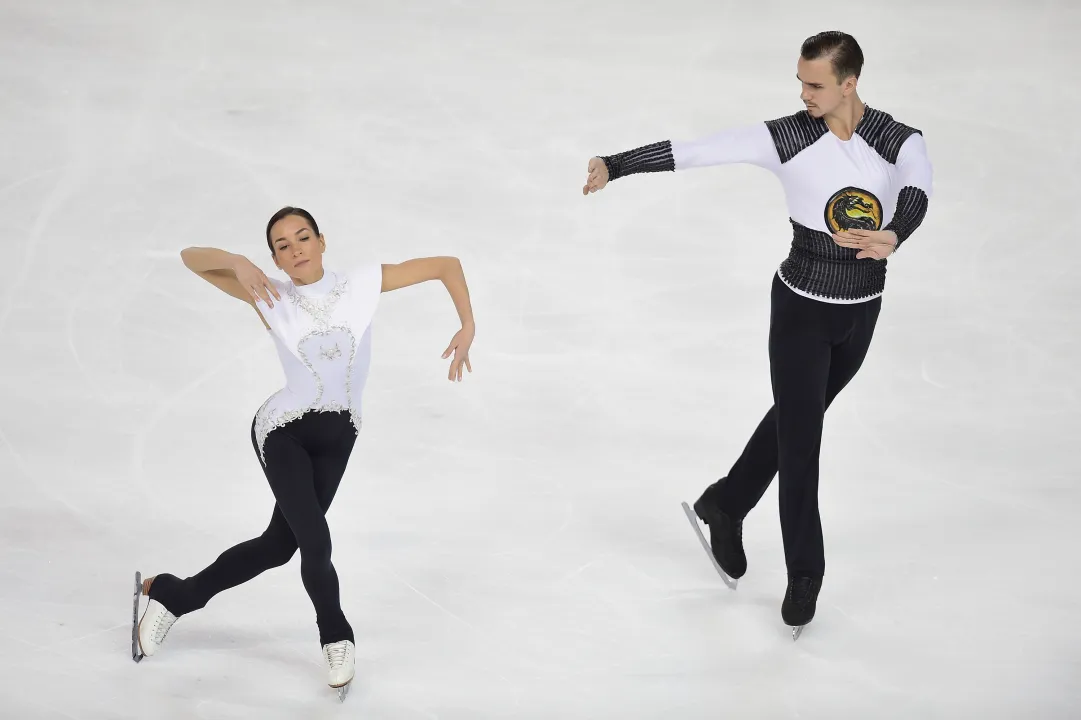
<point>656,157</point>
<point>915,178</point>
<point>751,144</point>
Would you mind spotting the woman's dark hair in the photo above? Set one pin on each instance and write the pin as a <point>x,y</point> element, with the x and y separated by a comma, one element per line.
<point>286,212</point>
<point>846,57</point>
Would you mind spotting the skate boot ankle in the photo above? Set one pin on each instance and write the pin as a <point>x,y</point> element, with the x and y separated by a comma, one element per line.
<point>341,661</point>
<point>725,533</point>
<point>155,623</point>
<point>800,602</point>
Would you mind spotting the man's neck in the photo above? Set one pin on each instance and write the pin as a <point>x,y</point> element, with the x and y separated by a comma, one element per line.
<point>843,121</point>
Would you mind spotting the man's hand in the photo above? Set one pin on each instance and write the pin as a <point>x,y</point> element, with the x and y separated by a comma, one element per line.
<point>597,176</point>
<point>875,244</point>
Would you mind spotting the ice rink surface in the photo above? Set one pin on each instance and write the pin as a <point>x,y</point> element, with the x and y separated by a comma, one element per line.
<point>513,546</point>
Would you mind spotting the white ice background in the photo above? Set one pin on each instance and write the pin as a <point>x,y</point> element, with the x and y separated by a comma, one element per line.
<point>513,546</point>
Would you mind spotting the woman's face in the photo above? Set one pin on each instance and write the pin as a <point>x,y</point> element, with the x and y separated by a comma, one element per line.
<point>298,251</point>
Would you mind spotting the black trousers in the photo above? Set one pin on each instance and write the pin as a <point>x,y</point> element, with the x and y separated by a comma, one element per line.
<point>305,461</point>
<point>815,349</point>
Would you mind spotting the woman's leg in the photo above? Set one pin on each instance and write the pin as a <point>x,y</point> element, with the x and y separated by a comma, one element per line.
<point>237,565</point>
<point>304,480</point>
<point>328,467</point>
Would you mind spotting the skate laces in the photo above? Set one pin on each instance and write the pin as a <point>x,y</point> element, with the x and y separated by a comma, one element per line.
<point>336,653</point>
<point>735,529</point>
<point>799,590</point>
<point>162,623</point>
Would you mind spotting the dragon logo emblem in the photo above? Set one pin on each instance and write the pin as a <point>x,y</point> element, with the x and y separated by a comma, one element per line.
<point>853,209</point>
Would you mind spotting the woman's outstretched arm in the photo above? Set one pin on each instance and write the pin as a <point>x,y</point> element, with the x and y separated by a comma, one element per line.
<point>449,271</point>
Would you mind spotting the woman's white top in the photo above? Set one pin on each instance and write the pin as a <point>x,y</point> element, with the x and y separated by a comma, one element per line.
<point>323,335</point>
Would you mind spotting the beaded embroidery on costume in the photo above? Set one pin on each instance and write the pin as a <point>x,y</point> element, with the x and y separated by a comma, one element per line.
<point>325,342</point>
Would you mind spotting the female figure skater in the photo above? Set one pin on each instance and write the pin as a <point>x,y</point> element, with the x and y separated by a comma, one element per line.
<point>320,322</point>
<point>857,184</point>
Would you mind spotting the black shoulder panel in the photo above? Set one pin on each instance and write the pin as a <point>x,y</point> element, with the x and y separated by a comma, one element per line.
<point>884,134</point>
<point>795,133</point>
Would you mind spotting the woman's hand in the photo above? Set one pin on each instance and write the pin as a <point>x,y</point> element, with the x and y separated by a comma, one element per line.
<point>449,271</point>
<point>254,282</point>
<point>459,345</point>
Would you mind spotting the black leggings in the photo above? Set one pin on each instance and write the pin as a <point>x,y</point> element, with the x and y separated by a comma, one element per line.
<point>815,349</point>
<point>305,461</point>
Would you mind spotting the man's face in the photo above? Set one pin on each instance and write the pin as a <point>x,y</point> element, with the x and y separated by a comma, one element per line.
<point>822,92</point>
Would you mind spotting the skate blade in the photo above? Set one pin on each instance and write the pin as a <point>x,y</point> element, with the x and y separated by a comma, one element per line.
<point>343,691</point>
<point>136,651</point>
<point>797,630</point>
<point>730,582</point>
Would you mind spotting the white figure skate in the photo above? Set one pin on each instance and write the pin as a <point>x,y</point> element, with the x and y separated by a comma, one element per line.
<point>148,634</point>
<point>341,660</point>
